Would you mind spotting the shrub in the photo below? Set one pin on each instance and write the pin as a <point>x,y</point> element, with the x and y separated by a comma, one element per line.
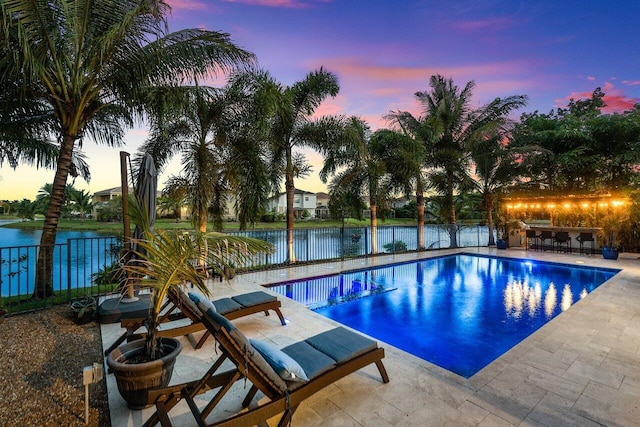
<point>395,246</point>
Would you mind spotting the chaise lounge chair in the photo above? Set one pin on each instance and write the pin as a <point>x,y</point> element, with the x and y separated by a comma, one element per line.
<point>286,377</point>
<point>231,308</point>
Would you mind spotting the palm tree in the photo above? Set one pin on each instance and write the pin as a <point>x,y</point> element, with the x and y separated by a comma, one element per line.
<point>217,132</point>
<point>26,210</point>
<point>88,66</point>
<point>81,202</point>
<point>174,196</point>
<point>408,171</point>
<point>292,128</point>
<point>455,125</point>
<point>495,170</point>
<point>360,170</point>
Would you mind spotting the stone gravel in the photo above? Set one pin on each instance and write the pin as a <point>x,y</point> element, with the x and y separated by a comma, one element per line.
<point>42,355</point>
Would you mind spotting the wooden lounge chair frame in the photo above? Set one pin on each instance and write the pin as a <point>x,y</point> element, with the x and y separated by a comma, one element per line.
<point>173,310</point>
<point>280,402</point>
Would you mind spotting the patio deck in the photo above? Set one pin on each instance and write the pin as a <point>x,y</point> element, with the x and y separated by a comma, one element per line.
<point>582,368</point>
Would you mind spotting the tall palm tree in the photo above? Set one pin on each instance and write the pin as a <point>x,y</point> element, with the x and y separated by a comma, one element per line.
<point>294,107</point>
<point>217,132</point>
<point>355,155</point>
<point>456,124</point>
<point>89,66</point>
<point>409,172</point>
<point>496,169</point>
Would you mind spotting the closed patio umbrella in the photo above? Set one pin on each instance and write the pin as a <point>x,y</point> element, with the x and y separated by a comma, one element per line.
<point>146,187</point>
<point>146,192</point>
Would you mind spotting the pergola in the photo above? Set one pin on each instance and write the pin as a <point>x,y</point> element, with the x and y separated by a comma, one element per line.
<point>567,210</point>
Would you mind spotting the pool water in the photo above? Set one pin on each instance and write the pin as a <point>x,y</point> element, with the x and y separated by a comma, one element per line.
<point>459,312</point>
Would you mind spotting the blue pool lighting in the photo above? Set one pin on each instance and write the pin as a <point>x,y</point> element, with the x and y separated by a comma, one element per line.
<point>459,312</point>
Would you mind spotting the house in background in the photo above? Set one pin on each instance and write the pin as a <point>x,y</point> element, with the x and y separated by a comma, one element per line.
<point>102,198</point>
<point>322,206</point>
<point>108,194</point>
<point>304,204</point>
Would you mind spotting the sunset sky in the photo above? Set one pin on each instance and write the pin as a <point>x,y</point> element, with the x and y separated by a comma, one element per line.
<point>385,51</point>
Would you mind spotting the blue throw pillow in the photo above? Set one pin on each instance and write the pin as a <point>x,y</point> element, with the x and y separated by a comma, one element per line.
<point>220,320</point>
<point>283,364</point>
<point>203,303</point>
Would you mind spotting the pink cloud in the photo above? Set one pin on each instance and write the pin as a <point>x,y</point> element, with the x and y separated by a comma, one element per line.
<point>631,82</point>
<point>615,100</point>
<point>357,68</point>
<point>590,78</point>
<point>187,4</point>
<point>291,4</point>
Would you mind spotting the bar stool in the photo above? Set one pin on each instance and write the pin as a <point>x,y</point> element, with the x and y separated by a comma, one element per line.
<point>531,235</point>
<point>543,237</point>
<point>586,237</point>
<point>562,240</point>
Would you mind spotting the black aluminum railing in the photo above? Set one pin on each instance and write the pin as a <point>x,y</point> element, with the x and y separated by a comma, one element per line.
<point>78,261</point>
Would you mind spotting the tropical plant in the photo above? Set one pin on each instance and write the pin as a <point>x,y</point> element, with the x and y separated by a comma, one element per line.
<point>26,210</point>
<point>81,201</point>
<point>166,259</point>
<point>218,134</point>
<point>581,149</point>
<point>448,128</point>
<point>360,171</point>
<point>395,246</point>
<point>84,69</point>
<point>496,169</point>
<point>174,196</point>
<point>292,127</point>
<point>404,161</point>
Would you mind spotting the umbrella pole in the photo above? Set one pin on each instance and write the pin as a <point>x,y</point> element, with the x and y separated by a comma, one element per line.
<point>130,296</point>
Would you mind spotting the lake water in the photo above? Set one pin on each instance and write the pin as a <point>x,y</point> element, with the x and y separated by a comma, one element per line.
<point>88,252</point>
<point>26,237</point>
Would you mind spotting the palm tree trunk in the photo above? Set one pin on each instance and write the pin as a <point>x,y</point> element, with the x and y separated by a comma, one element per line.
<point>492,241</point>
<point>290,190</point>
<point>44,267</point>
<point>202,225</point>
<point>420,206</point>
<point>453,238</point>
<point>374,229</point>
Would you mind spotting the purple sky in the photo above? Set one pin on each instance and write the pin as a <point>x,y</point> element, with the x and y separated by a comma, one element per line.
<point>385,51</point>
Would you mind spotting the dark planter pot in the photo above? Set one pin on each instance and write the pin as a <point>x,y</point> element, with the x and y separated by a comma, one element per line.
<point>84,310</point>
<point>609,253</point>
<point>134,379</point>
<point>501,244</point>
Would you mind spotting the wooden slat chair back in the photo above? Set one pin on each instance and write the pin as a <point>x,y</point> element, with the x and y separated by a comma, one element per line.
<point>284,397</point>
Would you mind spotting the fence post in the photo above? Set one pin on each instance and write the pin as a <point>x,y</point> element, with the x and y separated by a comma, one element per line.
<point>366,241</point>
<point>393,239</point>
<point>68,270</point>
<point>342,241</point>
<point>307,237</point>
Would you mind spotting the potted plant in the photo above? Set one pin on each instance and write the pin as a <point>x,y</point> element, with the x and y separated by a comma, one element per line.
<point>611,226</point>
<point>164,260</point>
<point>84,309</point>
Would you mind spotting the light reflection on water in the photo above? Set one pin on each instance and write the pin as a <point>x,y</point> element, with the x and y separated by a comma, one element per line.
<point>519,295</point>
<point>460,312</point>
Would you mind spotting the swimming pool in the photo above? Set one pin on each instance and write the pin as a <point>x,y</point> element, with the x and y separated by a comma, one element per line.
<point>460,312</point>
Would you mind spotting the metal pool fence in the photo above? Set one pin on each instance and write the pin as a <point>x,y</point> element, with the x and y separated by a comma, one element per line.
<point>78,261</point>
